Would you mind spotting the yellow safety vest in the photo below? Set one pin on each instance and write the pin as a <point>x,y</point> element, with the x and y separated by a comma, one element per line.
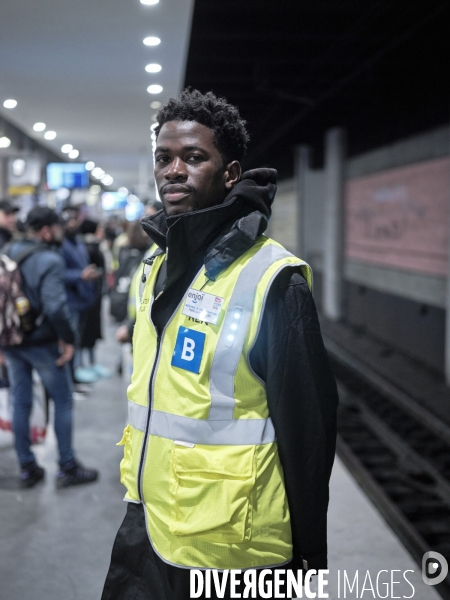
<point>133,293</point>
<point>204,460</point>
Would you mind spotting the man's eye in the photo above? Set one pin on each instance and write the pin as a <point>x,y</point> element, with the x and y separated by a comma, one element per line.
<point>195,157</point>
<point>162,159</point>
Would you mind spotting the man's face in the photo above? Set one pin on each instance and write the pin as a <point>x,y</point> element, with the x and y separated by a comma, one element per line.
<point>52,234</point>
<point>189,170</point>
<point>7,220</point>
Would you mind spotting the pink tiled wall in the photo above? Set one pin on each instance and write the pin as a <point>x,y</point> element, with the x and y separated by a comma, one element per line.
<point>400,217</point>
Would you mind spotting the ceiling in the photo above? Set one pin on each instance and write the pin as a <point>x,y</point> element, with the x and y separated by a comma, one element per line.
<point>79,67</point>
<point>298,67</point>
<point>294,67</point>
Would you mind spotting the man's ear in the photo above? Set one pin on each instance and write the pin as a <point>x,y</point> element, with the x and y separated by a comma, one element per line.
<point>233,174</point>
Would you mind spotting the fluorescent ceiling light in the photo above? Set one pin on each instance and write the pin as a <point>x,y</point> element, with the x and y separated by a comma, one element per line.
<point>155,104</point>
<point>149,2</point>
<point>107,180</point>
<point>89,165</point>
<point>5,142</point>
<point>66,148</point>
<point>153,68</point>
<point>152,41</point>
<point>95,189</point>
<point>50,135</point>
<point>39,126</point>
<point>98,173</point>
<point>122,191</point>
<point>10,103</point>
<point>74,154</point>
<point>154,89</point>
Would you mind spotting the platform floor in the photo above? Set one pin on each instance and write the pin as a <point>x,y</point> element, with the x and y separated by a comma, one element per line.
<point>56,545</point>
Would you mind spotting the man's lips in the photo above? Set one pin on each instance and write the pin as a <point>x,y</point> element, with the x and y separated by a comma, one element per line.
<point>174,193</point>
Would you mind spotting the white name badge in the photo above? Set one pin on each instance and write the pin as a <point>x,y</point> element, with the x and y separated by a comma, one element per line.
<point>202,306</point>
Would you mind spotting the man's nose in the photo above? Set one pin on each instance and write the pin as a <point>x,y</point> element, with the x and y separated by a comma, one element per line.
<point>176,170</point>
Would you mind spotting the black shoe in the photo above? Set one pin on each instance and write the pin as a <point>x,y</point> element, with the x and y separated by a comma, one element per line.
<point>30,475</point>
<point>72,473</point>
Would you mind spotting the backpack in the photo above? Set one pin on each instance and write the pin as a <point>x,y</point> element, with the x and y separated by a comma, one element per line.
<point>17,317</point>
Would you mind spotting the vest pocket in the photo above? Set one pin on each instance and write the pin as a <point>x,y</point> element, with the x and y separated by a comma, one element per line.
<point>211,490</point>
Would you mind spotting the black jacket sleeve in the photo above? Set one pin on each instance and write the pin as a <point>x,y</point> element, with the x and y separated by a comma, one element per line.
<point>290,357</point>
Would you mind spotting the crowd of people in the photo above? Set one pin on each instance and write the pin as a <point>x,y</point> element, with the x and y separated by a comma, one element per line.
<point>54,271</point>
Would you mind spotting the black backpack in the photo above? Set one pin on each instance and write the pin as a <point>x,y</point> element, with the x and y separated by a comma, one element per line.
<point>17,316</point>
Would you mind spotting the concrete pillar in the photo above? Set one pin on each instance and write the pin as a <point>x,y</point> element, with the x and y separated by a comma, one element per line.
<point>447,312</point>
<point>302,163</point>
<point>333,264</point>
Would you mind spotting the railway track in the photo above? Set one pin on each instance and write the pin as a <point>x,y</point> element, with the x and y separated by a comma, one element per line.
<point>400,455</point>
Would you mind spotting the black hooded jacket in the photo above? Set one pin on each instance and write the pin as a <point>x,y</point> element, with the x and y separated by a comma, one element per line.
<point>289,355</point>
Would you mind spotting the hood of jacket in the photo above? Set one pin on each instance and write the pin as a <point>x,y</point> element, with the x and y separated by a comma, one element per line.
<point>219,233</point>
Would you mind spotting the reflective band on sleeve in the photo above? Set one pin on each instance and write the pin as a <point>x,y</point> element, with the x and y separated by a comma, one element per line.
<point>137,415</point>
<point>232,337</point>
<point>237,432</point>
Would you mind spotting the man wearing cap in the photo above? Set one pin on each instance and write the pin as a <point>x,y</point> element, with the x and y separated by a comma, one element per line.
<point>7,221</point>
<point>47,349</point>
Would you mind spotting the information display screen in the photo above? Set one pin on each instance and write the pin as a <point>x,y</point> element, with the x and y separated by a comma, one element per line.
<point>67,175</point>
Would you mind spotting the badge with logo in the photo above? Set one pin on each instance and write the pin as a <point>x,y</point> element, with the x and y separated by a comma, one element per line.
<point>188,350</point>
<point>201,306</point>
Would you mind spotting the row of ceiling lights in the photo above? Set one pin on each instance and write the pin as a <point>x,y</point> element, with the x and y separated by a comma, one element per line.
<point>68,149</point>
<point>152,67</point>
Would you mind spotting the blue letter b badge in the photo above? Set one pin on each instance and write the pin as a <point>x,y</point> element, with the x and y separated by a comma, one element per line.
<point>188,349</point>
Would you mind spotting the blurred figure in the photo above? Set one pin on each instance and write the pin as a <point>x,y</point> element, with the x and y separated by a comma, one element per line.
<point>119,242</point>
<point>129,258</point>
<point>7,221</point>
<point>92,316</point>
<point>80,277</point>
<point>48,348</point>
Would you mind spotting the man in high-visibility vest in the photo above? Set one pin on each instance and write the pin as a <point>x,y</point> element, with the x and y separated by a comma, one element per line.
<point>232,404</point>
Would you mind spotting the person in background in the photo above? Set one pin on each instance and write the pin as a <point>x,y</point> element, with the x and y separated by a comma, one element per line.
<point>80,278</point>
<point>7,226</point>
<point>8,214</point>
<point>48,348</point>
<point>92,316</point>
<point>130,256</point>
<point>121,239</point>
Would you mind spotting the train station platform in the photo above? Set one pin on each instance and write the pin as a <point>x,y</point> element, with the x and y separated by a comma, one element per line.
<point>56,544</point>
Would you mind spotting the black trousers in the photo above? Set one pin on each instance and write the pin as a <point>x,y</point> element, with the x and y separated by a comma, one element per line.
<point>137,573</point>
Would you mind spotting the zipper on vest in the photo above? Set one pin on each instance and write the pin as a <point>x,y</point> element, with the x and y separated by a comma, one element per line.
<point>147,426</point>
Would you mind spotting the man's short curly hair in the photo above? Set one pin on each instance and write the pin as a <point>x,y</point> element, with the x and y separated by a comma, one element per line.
<point>230,135</point>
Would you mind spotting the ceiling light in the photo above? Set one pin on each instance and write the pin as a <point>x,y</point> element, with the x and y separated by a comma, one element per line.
<point>98,173</point>
<point>10,103</point>
<point>155,104</point>
<point>152,41</point>
<point>122,191</point>
<point>149,2</point>
<point>154,89</point>
<point>18,167</point>
<point>74,154</point>
<point>95,189</point>
<point>50,135</point>
<point>89,165</point>
<point>39,126</point>
<point>107,180</point>
<point>66,148</point>
<point>153,68</point>
<point>5,142</point>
